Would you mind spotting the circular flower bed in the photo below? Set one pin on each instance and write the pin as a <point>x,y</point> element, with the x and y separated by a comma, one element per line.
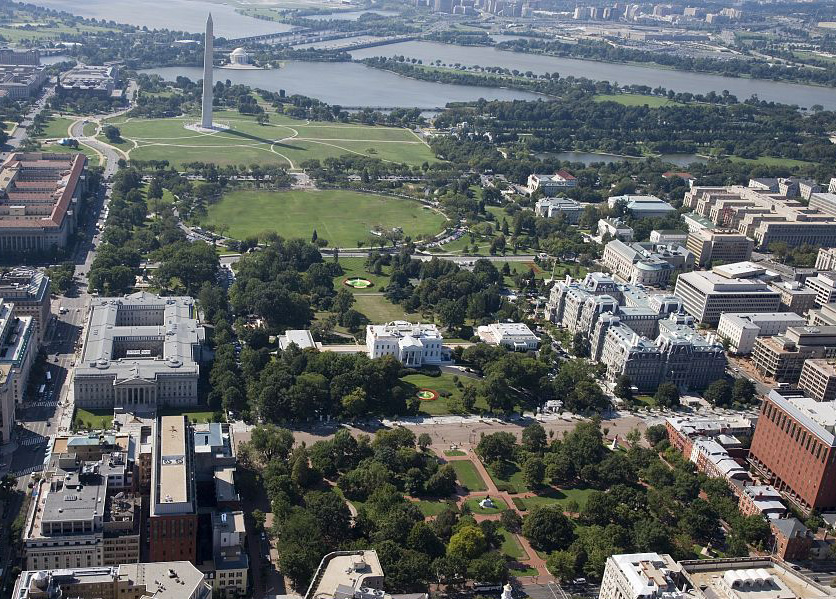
<point>427,394</point>
<point>358,283</point>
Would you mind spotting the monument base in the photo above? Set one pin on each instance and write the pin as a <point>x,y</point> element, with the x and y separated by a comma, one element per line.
<point>201,129</point>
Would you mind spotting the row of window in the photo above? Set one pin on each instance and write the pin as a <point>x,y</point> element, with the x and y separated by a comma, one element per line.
<point>802,437</point>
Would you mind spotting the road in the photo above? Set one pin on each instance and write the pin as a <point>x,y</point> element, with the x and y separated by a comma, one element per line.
<point>39,418</point>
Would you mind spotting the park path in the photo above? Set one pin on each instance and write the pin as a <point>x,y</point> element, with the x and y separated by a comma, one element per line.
<point>533,559</point>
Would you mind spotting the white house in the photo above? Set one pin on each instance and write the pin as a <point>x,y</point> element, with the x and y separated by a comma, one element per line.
<point>513,335</point>
<point>414,345</point>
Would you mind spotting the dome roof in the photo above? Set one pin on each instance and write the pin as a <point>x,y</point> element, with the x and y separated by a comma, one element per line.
<point>239,52</point>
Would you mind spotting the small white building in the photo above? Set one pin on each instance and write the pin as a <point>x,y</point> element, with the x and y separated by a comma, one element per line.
<point>551,207</point>
<point>615,228</point>
<point>742,328</point>
<point>413,345</point>
<point>301,337</point>
<point>513,335</point>
<point>668,236</point>
<point>239,56</point>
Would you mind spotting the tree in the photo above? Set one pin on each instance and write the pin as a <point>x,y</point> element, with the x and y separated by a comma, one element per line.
<point>655,434</point>
<point>424,441</point>
<point>510,520</point>
<point>562,565</point>
<point>112,134</point>
<point>442,483</point>
<point>743,391</point>
<point>534,438</point>
<point>624,388</point>
<point>496,446</point>
<point>719,393</point>
<point>271,441</point>
<point>667,395</point>
<point>468,543</point>
<point>533,471</point>
<point>355,403</point>
<point>547,528</point>
<point>580,346</point>
<point>451,313</point>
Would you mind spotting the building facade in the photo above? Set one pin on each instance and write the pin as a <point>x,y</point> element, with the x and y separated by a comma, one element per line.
<point>140,351</point>
<point>553,207</point>
<point>818,379</point>
<point>793,449</point>
<point>28,289</point>
<point>551,185</point>
<point>718,245</point>
<point>515,336</point>
<point>741,329</point>
<point>39,198</point>
<point>412,345</point>
<point>782,357</point>
<point>646,263</point>
<point>708,295</point>
<point>18,348</point>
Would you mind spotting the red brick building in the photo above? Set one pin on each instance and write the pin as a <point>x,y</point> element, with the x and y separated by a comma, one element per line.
<point>793,540</point>
<point>793,449</point>
<point>173,519</point>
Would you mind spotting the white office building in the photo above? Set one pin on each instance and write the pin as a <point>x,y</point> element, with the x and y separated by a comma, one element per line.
<point>824,284</point>
<point>708,295</point>
<point>552,207</point>
<point>513,335</point>
<point>742,328</point>
<point>413,345</point>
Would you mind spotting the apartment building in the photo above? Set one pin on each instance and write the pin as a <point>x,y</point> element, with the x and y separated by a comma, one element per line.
<point>741,329</point>
<point>230,562</point>
<point>413,345</point>
<point>646,263</point>
<point>554,207</point>
<point>684,430</point>
<point>140,351</point>
<point>763,500</point>
<point>718,246</point>
<point>782,357</point>
<point>28,289</point>
<point>793,449</point>
<point>712,459</point>
<point>39,197</point>
<point>18,350</point>
<point>818,379</point>
<point>708,295</point>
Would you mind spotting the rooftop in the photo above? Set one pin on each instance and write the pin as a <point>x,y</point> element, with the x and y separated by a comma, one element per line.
<point>343,569</point>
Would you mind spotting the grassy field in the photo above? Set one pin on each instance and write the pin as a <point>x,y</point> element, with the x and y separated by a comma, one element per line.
<point>356,267</point>
<point>442,384</point>
<point>433,508</point>
<point>199,416</point>
<point>93,419</point>
<point>378,309</point>
<point>468,476</point>
<point>553,497</point>
<point>474,506</point>
<point>56,127</point>
<point>89,129</point>
<point>92,157</point>
<point>511,548</point>
<point>283,141</point>
<point>634,100</point>
<point>341,217</point>
<point>42,31</point>
<point>513,483</point>
<point>453,453</point>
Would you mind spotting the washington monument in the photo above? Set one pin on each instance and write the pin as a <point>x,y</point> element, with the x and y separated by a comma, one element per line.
<point>206,119</point>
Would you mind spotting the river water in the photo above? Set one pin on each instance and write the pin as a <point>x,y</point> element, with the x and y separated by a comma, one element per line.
<point>350,84</point>
<point>179,15</point>
<point>680,81</point>
<point>354,85</point>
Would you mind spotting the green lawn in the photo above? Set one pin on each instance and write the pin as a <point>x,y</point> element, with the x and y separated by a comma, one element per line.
<point>283,141</point>
<point>526,571</point>
<point>356,267</point>
<point>92,157</point>
<point>39,31</point>
<point>198,416</point>
<point>453,453</point>
<point>433,508</point>
<point>378,309</point>
<point>56,127</point>
<point>442,384</point>
<point>513,483</point>
<point>553,497</point>
<point>511,547</point>
<point>468,476</point>
<point>634,100</point>
<point>341,217</point>
<point>93,419</point>
<point>89,129</point>
<point>474,506</point>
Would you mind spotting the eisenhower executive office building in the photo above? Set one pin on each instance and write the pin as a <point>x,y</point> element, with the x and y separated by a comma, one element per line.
<point>141,351</point>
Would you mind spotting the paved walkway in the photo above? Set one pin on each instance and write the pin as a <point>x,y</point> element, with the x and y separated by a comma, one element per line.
<point>532,559</point>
